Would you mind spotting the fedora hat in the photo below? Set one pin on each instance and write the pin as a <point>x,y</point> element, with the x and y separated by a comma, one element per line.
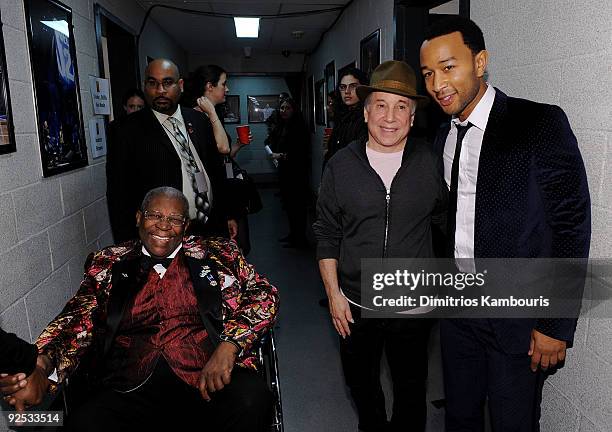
<point>394,77</point>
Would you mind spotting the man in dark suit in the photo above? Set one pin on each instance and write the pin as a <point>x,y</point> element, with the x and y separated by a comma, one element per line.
<point>518,189</point>
<point>165,144</point>
<point>164,323</point>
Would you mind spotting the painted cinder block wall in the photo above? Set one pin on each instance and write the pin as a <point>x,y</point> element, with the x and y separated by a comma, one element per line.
<point>560,52</point>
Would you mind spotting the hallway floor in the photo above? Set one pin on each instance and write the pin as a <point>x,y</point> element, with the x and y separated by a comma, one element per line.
<point>313,392</point>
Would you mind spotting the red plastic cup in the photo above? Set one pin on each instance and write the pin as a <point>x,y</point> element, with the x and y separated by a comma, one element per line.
<point>243,133</point>
<point>327,132</point>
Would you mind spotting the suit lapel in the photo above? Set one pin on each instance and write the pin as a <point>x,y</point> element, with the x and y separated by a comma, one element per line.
<point>157,132</point>
<point>204,277</point>
<point>126,280</point>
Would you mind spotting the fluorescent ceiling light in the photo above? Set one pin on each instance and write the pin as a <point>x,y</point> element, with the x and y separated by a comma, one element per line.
<point>247,27</point>
<point>60,26</point>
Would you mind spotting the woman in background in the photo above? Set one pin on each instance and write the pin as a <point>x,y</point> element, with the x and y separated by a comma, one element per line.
<point>349,124</point>
<point>293,169</point>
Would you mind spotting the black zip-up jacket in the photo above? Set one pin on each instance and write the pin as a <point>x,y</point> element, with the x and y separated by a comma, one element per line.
<point>358,218</point>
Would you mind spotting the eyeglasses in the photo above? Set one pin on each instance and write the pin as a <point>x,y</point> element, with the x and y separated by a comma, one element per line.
<point>166,83</point>
<point>350,87</point>
<point>174,220</point>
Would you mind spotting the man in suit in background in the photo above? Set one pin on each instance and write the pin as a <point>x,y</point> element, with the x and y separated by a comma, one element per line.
<point>518,189</point>
<point>165,144</point>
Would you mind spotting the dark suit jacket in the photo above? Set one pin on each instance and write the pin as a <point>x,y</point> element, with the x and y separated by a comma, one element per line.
<point>141,157</point>
<point>16,355</point>
<point>532,198</point>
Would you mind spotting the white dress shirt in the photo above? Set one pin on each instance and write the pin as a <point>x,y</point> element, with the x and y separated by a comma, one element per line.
<point>160,269</point>
<point>187,186</point>
<point>468,171</point>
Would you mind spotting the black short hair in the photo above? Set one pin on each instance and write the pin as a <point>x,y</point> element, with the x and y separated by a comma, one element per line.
<point>361,76</point>
<point>131,93</point>
<point>471,33</point>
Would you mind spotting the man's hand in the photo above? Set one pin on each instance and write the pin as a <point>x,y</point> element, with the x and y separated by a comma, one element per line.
<point>341,314</point>
<point>36,386</point>
<point>9,384</point>
<point>232,228</point>
<point>218,370</point>
<point>545,351</point>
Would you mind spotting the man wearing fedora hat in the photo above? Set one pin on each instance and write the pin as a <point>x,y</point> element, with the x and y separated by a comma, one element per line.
<point>379,198</point>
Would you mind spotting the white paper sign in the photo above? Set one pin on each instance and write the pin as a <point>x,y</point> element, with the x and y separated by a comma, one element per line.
<point>100,95</point>
<point>97,133</point>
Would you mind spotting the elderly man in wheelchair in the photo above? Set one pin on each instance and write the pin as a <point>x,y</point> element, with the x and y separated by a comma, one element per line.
<point>167,328</point>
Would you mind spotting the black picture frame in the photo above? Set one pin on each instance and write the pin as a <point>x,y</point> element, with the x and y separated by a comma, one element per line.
<point>261,107</point>
<point>231,113</point>
<point>7,127</point>
<point>369,52</point>
<point>320,102</point>
<point>311,103</point>
<point>56,86</point>
<point>330,86</point>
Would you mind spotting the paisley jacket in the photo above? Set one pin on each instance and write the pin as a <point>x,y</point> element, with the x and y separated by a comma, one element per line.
<point>241,303</point>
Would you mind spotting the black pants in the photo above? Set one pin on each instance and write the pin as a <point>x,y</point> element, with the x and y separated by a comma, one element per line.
<point>475,367</point>
<point>405,342</point>
<point>166,403</point>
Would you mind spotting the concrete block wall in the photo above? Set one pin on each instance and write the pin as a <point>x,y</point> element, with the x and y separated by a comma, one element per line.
<point>560,52</point>
<point>49,225</point>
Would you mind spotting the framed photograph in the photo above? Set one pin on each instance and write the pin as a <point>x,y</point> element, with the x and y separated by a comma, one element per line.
<point>311,103</point>
<point>261,107</point>
<point>369,52</point>
<point>330,86</point>
<point>7,130</point>
<point>231,113</point>
<point>56,86</point>
<point>320,102</point>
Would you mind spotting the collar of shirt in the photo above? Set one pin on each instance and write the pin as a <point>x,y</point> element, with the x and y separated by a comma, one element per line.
<point>163,117</point>
<point>160,269</point>
<point>480,116</point>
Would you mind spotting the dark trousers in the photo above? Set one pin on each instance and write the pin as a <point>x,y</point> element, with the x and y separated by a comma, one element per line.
<point>404,341</point>
<point>475,367</point>
<point>166,403</point>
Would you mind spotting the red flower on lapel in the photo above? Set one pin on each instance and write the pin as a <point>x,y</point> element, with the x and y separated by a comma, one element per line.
<point>189,128</point>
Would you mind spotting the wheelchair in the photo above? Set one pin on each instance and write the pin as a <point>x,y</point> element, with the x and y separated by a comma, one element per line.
<point>76,388</point>
<point>269,361</point>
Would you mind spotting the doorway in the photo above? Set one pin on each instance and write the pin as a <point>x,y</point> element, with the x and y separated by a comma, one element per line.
<point>117,57</point>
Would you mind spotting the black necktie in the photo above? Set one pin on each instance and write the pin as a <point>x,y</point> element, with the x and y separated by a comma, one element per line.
<point>452,194</point>
<point>147,262</point>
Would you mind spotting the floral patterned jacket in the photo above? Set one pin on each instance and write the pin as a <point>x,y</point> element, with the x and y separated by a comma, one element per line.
<point>249,303</point>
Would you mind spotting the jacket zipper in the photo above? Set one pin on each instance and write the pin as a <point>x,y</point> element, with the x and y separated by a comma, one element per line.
<point>387,207</point>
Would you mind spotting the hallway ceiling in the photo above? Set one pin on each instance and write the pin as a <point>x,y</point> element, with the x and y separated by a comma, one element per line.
<point>199,34</point>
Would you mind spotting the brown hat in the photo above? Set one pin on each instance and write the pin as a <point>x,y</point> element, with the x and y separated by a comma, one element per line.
<point>394,77</point>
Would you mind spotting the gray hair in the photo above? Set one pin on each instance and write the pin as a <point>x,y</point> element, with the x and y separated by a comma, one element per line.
<point>367,102</point>
<point>168,192</point>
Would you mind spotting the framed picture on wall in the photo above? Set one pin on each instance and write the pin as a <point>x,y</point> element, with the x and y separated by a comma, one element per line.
<point>311,103</point>
<point>231,112</point>
<point>330,86</point>
<point>320,102</point>
<point>261,107</point>
<point>369,52</point>
<point>56,86</point>
<point>7,131</point>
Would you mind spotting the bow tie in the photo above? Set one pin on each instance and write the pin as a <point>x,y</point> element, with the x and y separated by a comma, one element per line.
<point>148,261</point>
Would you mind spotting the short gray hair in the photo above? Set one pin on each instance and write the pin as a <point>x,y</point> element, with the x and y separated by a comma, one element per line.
<point>168,192</point>
<point>369,97</point>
